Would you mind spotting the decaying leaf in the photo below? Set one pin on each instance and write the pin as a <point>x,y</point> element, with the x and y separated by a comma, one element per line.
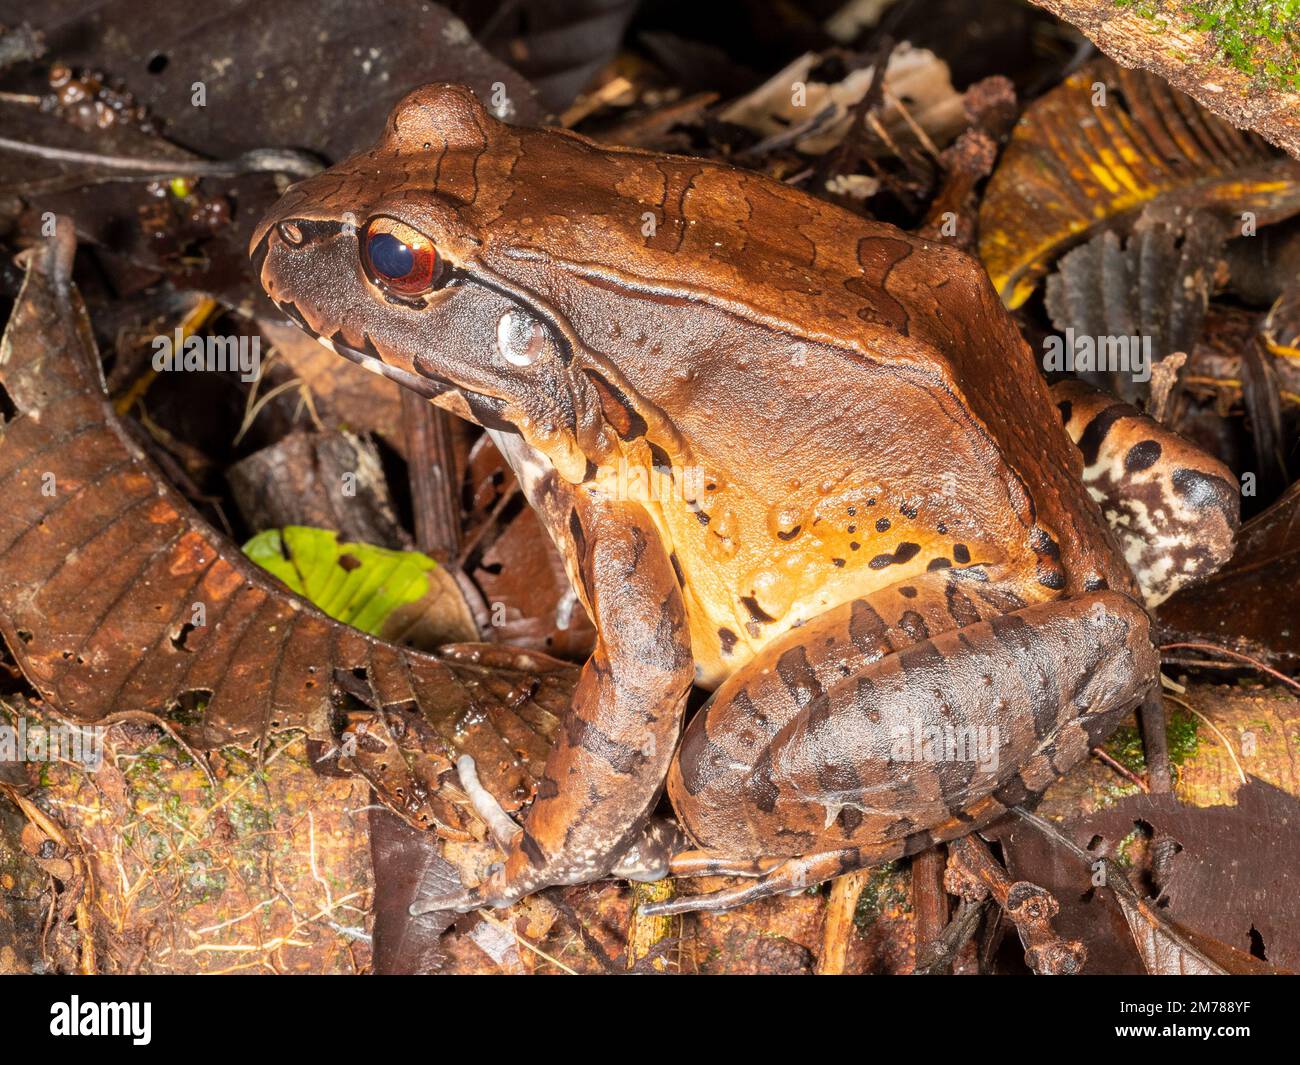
<point>1155,285</point>
<point>327,480</point>
<point>1164,946</point>
<point>1250,606</point>
<point>1236,874</point>
<point>790,99</point>
<point>1100,147</point>
<point>1168,949</point>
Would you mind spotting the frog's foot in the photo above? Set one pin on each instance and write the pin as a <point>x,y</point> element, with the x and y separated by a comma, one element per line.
<point>782,875</point>
<point>779,876</point>
<point>711,863</point>
<point>459,902</point>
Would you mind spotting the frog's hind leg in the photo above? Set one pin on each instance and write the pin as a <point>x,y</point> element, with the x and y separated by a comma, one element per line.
<point>1173,507</point>
<point>870,733</point>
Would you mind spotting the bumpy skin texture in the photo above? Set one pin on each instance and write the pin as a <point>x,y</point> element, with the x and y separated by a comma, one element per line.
<point>743,416</point>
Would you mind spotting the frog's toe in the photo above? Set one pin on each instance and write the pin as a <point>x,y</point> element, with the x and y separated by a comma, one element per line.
<point>458,902</point>
<point>502,826</point>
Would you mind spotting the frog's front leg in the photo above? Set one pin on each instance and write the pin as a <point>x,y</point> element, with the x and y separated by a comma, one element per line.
<point>610,756</point>
<point>913,715</point>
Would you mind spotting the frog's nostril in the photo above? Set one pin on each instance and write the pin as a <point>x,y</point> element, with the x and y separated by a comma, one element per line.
<point>290,233</point>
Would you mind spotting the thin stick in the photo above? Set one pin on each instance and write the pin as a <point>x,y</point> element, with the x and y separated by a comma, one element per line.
<point>524,943</point>
<point>1215,649</point>
<point>1127,774</point>
<point>272,160</point>
<point>1215,729</point>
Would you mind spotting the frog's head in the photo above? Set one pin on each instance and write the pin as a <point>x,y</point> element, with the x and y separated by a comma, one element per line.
<point>379,258</point>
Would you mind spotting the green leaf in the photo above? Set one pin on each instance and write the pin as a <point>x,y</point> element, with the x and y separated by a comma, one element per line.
<point>359,584</point>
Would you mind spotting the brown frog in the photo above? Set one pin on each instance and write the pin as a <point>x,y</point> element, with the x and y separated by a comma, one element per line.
<point>799,458</point>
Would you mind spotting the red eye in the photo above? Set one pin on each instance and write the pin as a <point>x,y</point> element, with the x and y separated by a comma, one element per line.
<point>400,258</point>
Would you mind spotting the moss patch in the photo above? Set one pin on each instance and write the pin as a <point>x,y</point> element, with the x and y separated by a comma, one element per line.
<point>1125,744</point>
<point>885,890</point>
<point>1260,38</point>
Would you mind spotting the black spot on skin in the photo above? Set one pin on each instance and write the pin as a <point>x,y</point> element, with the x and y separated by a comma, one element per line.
<point>589,473</point>
<point>852,529</point>
<point>837,562</point>
<point>881,561</point>
<point>701,517</point>
<point>849,820</point>
<point>1095,584</point>
<point>1043,545</point>
<point>907,592</point>
<point>659,458</point>
<point>938,563</point>
<point>866,627</point>
<point>529,846</point>
<point>756,612</point>
<point>854,545</point>
<point>291,310</point>
<point>798,677</point>
<point>941,528</point>
<point>1067,411</point>
<point>760,790</point>
<point>1090,440</point>
<point>1201,490</point>
<point>727,640</point>
<point>906,551</point>
<point>487,411</point>
<point>621,757</point>
<point>914,625</point>
<point>1142,456</point>
<point>960,553</point>
<point>882,525</point>
<point>1051,578</point>
<point>960,609</point>
<point>788,536</point>
<point>853,511</point>
<point>909,510</point>
<point>923,658</point>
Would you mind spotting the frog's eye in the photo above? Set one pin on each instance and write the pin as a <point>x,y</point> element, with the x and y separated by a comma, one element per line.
<point>400,258</point>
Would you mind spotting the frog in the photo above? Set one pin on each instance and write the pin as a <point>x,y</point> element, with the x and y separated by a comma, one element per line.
<point>797,459</point>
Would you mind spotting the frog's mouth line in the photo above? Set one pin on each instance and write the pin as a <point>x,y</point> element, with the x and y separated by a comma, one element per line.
<point>428,387</point>
<point>486,410</point>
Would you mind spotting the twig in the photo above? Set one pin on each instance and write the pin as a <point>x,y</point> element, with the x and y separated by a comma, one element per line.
<point>259,160</point>
<point>929,899</point>
<point>837,923</point>
<point>431,468</point>
<point>1215,649</point>
<point>80,866</point>
<point>524,943</point>
<point>1123,771</point>
<point>974,874</point>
